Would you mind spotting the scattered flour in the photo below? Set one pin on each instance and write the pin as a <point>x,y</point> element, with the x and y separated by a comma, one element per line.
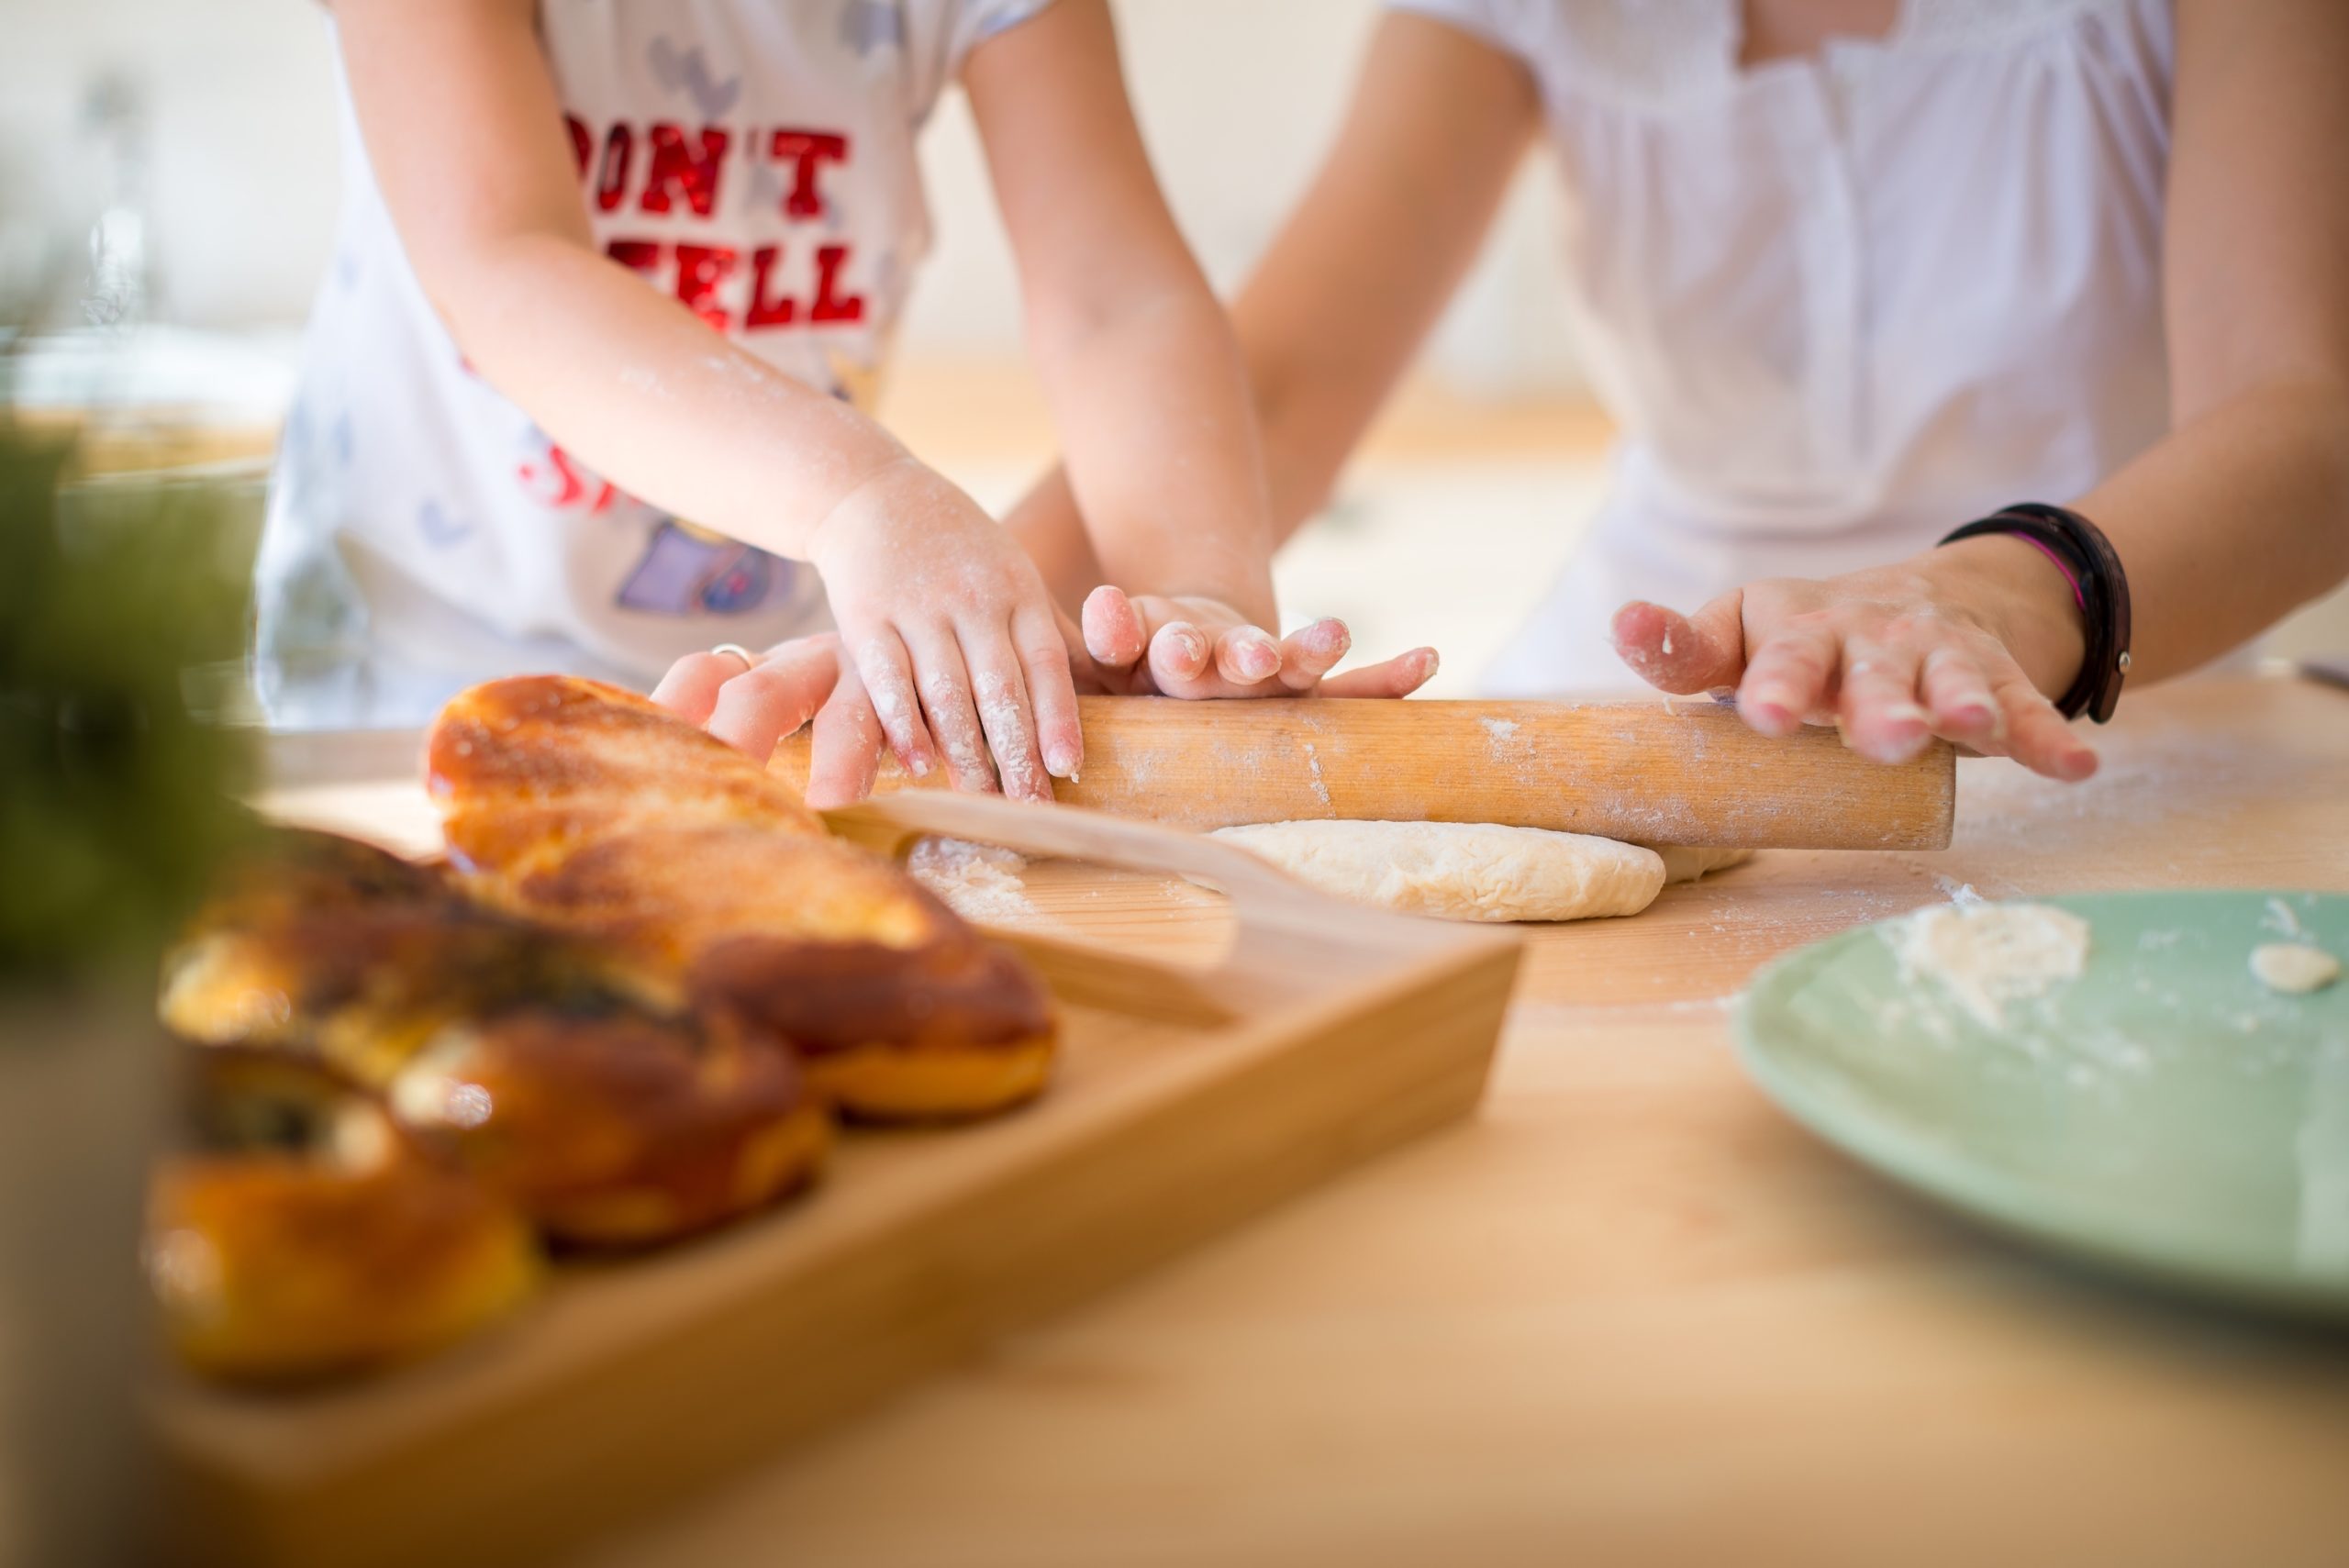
<point>979,881</point>
<point>1961,894</point>
<point>1987,955</point>
<point>2281,919</point>
<point>1313,764</point>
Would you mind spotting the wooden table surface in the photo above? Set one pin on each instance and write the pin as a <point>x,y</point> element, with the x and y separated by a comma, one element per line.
<point>1631,1312</point>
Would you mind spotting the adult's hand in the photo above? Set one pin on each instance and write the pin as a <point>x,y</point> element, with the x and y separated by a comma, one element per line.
<point>751,705</point>
<point>1966,642</point>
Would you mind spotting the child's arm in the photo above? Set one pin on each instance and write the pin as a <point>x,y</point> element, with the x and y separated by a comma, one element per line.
<point>934,601</point>
<point>1138,363</point>
<point>1341,304</point>
<point>1137,360</point>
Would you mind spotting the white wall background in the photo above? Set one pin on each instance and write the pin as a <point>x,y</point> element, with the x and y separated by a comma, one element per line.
<point>1237,98</point>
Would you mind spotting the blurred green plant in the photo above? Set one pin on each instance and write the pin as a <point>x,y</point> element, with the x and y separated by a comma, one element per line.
<point>115,803</point>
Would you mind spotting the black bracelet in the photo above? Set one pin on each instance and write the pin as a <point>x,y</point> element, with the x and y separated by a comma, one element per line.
<point>2099,583</point>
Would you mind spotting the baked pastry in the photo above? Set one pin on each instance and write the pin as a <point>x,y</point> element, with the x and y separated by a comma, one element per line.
<point>300,1235</point>
<point>579,803</point>
<point>610,1125</point>
<point>581,1087</point>
<point>301,924</point>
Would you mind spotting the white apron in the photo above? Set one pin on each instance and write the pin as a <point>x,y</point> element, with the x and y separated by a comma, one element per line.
<point>1840,304</point>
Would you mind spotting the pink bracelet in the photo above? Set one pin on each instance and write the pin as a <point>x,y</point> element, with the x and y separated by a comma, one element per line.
<point>2079,598</point>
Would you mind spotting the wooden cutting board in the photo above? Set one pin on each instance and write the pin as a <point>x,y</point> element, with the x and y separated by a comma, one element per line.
<point>1187,1098</point>
<point>1655,773</point>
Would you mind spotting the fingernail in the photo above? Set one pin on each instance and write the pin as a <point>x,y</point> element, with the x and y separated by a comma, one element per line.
<point>1061,762</point>
<point>920,768</point>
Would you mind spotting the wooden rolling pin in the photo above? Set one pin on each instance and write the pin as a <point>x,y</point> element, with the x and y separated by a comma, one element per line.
<point>1678,773</point>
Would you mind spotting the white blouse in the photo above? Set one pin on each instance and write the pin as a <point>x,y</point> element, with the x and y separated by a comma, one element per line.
<point>1839,305</point>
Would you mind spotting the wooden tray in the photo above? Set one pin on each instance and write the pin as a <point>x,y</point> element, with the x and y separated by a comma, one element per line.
<point>1187,1100</point>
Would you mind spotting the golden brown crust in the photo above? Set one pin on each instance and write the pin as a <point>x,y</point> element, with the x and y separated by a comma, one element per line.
<point>572,1079</point>
<point>834,996</point>
<point>594,809</point>
<point>306,1238</point>
<point>527,767</point>
<point>618,1130</point>
<point>893,1086</point>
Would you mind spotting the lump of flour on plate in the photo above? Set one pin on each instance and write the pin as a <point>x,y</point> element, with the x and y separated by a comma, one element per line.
<point>1988,955</point>
<point>1461,871</point>
<point>2294,967</point>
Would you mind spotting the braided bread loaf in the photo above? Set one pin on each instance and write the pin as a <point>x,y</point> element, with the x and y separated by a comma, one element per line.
<point>594,809</point>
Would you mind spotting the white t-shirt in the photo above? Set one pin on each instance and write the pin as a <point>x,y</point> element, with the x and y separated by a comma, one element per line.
<point>1840,304</point>
<point>755,158</point>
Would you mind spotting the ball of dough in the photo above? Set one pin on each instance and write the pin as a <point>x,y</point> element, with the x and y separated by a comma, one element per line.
<point>1462,870</point>
<point>2294,967</point>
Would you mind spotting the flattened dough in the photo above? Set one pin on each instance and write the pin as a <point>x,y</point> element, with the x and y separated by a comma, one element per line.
<point>1462,870</point>
<point>1683,863</point>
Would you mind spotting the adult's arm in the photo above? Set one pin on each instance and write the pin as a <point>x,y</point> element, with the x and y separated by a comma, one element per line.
<point>2237,516</point>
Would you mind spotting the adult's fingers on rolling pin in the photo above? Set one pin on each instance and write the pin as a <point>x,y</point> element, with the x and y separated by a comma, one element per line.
<point>1958,696</point>
<point>690,687</point>
<point>1877,700</point>
<point>2037,735</point>
<point>1787,678</point>
<point>1683,654</point>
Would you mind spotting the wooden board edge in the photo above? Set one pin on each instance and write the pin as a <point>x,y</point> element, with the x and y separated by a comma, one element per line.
<point>516,1486</point>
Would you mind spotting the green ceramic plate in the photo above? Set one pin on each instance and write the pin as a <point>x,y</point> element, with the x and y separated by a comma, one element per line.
<point>2164,1113</point>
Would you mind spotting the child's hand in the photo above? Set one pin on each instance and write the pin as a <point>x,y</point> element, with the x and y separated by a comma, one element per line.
<point>945,625</point>
<point>1203,647</point>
